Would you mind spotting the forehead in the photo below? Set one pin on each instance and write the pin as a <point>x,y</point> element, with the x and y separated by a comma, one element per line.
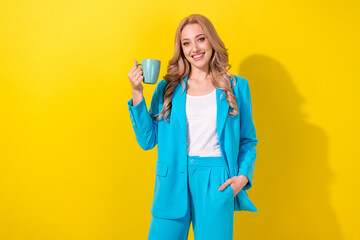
<point>191,30</point>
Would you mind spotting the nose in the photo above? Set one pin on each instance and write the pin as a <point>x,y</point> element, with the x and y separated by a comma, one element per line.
<point>196,48</point>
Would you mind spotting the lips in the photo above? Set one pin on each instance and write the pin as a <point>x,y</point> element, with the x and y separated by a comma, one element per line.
<point>198,55</point>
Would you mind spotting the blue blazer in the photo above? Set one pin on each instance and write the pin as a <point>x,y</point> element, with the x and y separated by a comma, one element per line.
<point>237,140</point>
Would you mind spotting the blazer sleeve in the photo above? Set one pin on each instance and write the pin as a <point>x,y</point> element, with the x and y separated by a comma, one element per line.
<point>248,141</point>
<point>144,126</point>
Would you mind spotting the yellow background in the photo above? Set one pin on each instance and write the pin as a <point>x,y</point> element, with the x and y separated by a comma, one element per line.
<point>70,167</point>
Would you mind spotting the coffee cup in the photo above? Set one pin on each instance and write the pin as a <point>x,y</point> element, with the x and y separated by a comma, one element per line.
<point>151,70</point>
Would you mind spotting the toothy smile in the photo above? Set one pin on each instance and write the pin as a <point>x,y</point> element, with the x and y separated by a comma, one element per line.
<point>198,55</point>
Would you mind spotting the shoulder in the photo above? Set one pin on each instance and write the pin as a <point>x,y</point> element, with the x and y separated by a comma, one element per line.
<point>160,86</point>
<point>159,90</point>
<point>240,83</point>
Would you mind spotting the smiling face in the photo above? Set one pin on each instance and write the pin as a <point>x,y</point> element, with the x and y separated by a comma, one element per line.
<point>196,46</point>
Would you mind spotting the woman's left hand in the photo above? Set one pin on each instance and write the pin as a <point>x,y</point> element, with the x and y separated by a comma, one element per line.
<point>236,182</point>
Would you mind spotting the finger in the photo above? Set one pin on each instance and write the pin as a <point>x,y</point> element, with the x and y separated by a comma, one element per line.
<point>224,185</point>
<point>138,74</point>
<point>134,67</point>
<point>138,69</point>
<point>134,70</point>
<point>140,80</point>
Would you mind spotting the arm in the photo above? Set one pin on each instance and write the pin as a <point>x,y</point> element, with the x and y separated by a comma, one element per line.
<point>248,141</point>
<point>145,127</point>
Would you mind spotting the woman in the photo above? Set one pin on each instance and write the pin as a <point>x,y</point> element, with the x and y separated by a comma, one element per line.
<point>206,137</point>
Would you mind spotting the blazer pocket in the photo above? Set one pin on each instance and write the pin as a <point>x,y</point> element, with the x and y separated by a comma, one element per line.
<point>161,169</point>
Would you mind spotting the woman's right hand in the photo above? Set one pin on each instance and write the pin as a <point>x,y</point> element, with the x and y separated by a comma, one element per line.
<point>135,76</point>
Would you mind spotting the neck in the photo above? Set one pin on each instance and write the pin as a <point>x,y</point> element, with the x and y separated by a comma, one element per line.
<point>199,74</point>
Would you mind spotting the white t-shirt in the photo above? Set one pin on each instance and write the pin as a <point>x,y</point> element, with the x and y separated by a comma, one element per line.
<point>202,135</point>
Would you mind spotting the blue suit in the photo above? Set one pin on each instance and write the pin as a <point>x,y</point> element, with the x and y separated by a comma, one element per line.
<point>237,140</point>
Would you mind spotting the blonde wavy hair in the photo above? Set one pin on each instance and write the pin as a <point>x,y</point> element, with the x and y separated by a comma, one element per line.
<point>179,67</point>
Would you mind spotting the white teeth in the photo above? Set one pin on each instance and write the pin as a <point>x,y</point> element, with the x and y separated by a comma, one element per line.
<point>198,56</point>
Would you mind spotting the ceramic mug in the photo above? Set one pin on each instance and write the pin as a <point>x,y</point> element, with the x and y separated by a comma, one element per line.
<point>151,70</point>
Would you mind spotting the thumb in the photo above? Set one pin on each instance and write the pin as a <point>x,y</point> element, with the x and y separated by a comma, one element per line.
<point>135,62</point>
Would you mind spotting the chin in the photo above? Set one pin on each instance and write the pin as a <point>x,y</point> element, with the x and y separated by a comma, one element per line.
<point>202,64</point>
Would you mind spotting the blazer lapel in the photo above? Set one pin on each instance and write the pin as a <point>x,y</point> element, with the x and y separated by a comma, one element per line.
<point>179,109</point>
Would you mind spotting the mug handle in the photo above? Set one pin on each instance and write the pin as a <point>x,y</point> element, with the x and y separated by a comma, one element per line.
<point>141,66</point>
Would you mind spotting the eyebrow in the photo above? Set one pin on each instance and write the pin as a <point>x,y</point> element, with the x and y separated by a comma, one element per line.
<point>195,36</point>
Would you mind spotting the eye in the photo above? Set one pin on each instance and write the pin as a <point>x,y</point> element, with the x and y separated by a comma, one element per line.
<point>199,39</point>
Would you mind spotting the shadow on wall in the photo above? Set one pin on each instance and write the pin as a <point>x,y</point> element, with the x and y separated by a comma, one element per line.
<point>292,174</point>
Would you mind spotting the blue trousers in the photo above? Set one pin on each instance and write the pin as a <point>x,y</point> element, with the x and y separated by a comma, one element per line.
<point>210,210</point>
